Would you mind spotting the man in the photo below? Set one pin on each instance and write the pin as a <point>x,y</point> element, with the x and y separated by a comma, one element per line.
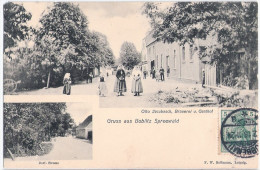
<point>203,78</point>
<point>90,77</point>
<point>154,72</point>
<point>168,71</point>
<point>145,73</point>
<point>162,74</point>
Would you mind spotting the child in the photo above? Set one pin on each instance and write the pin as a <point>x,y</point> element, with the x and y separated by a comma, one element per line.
<point>102,87</point>
<point>137,86</point>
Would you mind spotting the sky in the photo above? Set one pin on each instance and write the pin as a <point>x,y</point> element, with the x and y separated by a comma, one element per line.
<point>119,21</point>
<point>79,111</point>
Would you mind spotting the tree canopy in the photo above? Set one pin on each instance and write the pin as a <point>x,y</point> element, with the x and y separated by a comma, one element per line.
<point>62,43</point>
<point>233,25</point>
<point>129,56</point>
<point>15,28</point>
<point>29,124</point>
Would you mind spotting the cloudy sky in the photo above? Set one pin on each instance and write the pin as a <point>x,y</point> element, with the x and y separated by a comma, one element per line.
<point>119,21</point>
<point>79,111</point>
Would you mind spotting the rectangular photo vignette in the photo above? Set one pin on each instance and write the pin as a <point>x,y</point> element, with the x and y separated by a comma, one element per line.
<point>176,64</point>
<point>47,133</point>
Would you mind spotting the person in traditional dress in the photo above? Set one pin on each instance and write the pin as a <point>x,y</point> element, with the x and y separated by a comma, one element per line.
<point>67,84</point>
<point>120,84</point>
<point>137,86</point>
<point>102,86</point>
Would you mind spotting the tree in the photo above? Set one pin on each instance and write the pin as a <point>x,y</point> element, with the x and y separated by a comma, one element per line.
<point>62,38</point>
<point>63,43</point>
<point>129,56</point>
<point>27,125</point>
<point>104,50</point>
<point>15,28</point>
<point>233,24</point>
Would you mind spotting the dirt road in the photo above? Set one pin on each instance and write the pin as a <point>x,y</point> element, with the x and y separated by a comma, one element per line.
<point>64,148</point>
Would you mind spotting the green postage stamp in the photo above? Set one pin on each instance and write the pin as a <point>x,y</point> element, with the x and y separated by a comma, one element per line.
<point>239,132</point>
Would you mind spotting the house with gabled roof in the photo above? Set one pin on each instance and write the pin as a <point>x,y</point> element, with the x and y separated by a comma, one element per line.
<point>84,130</point>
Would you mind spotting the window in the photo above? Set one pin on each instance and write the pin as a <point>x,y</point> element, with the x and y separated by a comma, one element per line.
<point>167,61</point>
<point>191,53</point>
<point>174,59</point>
<point>183,54</point>
<point>157,60</point>
<point>161,60</point>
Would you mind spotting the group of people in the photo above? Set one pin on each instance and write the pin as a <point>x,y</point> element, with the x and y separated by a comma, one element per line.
<point>120,83</point>
<point>159,74</point>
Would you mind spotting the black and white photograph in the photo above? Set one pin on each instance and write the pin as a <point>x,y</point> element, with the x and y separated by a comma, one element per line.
<point>47,131</point>
<point>134,54</point>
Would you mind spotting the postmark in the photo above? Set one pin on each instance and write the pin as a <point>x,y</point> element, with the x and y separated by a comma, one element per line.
<point>239,132</point>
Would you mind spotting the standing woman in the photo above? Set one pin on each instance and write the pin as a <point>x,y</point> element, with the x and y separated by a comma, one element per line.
<point>67,84</point>
<point>120,84</point>
<point>137,86</point>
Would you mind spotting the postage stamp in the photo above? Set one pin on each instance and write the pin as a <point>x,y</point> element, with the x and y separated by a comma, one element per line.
<point>239,132</point>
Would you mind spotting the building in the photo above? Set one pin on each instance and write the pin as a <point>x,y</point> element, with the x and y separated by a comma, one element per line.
<point>84,130</point>
<point>184,61</point>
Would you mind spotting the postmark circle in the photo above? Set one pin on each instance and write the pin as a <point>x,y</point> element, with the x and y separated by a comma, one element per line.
<point>239,132</point>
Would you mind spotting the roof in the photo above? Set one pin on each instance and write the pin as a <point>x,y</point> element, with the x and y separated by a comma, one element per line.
<point>86,122</point>
<point>149,39</point>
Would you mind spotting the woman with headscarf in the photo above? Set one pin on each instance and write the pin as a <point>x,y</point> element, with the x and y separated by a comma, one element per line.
<point>67,84</point>
<point>120,84</point>
<point>137,86</point>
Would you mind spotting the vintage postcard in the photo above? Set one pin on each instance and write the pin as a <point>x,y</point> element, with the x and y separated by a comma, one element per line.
<point>161,84</point>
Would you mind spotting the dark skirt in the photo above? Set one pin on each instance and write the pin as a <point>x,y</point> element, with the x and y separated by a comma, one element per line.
<point>137,86</point>
<point>67,89</point>
<point>120,86</point>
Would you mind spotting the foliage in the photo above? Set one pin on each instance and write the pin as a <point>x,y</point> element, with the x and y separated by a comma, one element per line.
<point>15,28</point>
<point>61,44</point>
<point>104,51</point>
<point>232,26</point>
<point>27,125</point>
<point>27,68</point>
<point>129,56</point>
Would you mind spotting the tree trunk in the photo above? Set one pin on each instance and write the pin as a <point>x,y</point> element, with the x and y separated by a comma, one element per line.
<point>48,81</point>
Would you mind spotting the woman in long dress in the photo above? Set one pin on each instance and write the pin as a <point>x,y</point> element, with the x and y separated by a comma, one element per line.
<point>120,84</point>
<point>67,84</point>
<point>137,86</point>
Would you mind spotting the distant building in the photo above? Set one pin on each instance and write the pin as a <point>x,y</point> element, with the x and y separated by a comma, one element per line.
<point>184,61</point>
<point>84,130</point>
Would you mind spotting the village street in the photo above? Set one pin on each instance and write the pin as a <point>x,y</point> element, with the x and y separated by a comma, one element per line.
<point>64,148</point>
<point>150,86</point>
